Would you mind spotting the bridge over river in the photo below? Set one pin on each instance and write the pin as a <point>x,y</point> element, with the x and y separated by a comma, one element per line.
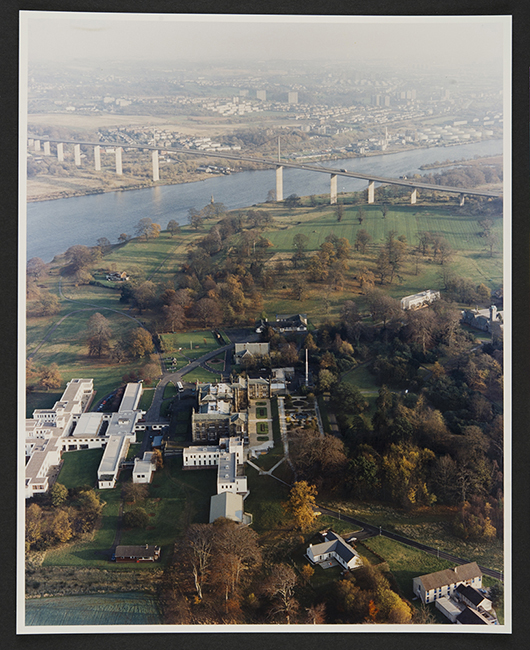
<point>117,149</point>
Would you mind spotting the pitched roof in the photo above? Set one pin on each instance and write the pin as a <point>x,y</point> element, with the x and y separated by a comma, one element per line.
<point>450,576</point>
<point>474,596</point>
<point>470,617</point>
<point>336,544</point>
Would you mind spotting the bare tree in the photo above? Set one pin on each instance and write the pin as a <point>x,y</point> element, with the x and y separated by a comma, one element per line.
<point>280,587</point>
<point>199,545</point>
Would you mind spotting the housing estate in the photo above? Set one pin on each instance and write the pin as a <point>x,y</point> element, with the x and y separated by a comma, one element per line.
<point>68,427</point>
<point>334,547</point>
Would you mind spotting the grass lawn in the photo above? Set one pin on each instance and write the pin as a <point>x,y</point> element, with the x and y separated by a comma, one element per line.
<point>362,378</point>
<point>170,390</point>
<point>405,562</point>
<point>262,427</point>
<point>146,399</point>
<point>431,526</point>
<point>261,412</point>
<point>200,374</point>
<point>176,499</point>
<point>93,551</point>
<point>460,229</point>
<point>265,500</point>
<point>193,344</point>
<point>80,467</point>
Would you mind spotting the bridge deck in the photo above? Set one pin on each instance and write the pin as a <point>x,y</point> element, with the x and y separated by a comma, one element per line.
<point>279,163</point>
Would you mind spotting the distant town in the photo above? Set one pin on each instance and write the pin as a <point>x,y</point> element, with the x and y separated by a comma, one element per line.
<point>287,412</point>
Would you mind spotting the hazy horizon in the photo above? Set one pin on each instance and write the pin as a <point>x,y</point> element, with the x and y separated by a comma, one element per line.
<point>399,41</point>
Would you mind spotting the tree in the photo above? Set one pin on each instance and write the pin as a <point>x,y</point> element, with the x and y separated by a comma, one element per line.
<point>36,267</point>
<point>144,295</point>
<point>135,492</point>
<point>301,504</point>
<point>362,240</point>
<point>361,214</point>
<point>300,242</point>
<point>405,466</point>
<point>99,334</point>
<point>271,196</point>
<point>136,518</point>
<point>173,227</point>
<point>49,304</point>
<point>61,526</point>
<point>104,245</point>
<point>58,494</point>
<point>143,228</point>
<point>80,258</point>
<point>208,311</point>
<point>195,218</point>
<point>382,307</point>
<point>340,211</point>
<point>292,201</point>
<point>157,459</point>
<point>140,343</point>
<point>123,238</point>
<point>280,587</point>
<point>198,545</point>
<point>50,377</point>
<point>173,316</point>
<point>237,553</point>
<point>34,521</point>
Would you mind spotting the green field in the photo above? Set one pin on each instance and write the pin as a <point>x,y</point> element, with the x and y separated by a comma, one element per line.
<point>461,230</point>
<point>201,374</point>
<point>191,345</point>
<point>80,467</point>
<point>108,609</point>
<point>405,562</point>
<point>176,499</point>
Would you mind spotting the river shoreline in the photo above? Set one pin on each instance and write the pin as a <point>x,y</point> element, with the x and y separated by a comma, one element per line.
<point>66,194</point>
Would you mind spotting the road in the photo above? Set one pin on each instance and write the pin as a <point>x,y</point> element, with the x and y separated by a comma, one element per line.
<point>369,530</point>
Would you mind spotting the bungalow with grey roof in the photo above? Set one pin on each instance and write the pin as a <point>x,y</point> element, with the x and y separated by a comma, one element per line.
<point>334,548</point>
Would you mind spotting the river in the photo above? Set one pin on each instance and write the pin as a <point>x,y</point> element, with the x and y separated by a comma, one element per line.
<point>54,226</point>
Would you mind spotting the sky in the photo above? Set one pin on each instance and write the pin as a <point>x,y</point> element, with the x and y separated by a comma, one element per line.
<point>150,37</point>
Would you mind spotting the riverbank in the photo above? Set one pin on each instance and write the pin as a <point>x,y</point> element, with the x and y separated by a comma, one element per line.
<point>89,182</point>
<point>482,160</point>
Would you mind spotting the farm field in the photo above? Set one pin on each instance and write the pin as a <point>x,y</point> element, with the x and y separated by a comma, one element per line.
<point>107,609</point>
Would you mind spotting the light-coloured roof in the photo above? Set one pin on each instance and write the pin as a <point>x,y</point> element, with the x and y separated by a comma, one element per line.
<point>450,576</point>
<point>143,466</point>
<point>88,424</point>
<point>226,504</point>
<point>112,455</point>
<point>131,397</point>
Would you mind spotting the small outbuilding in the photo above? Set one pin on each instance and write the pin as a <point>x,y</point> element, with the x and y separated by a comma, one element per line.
<point>143,553</point>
